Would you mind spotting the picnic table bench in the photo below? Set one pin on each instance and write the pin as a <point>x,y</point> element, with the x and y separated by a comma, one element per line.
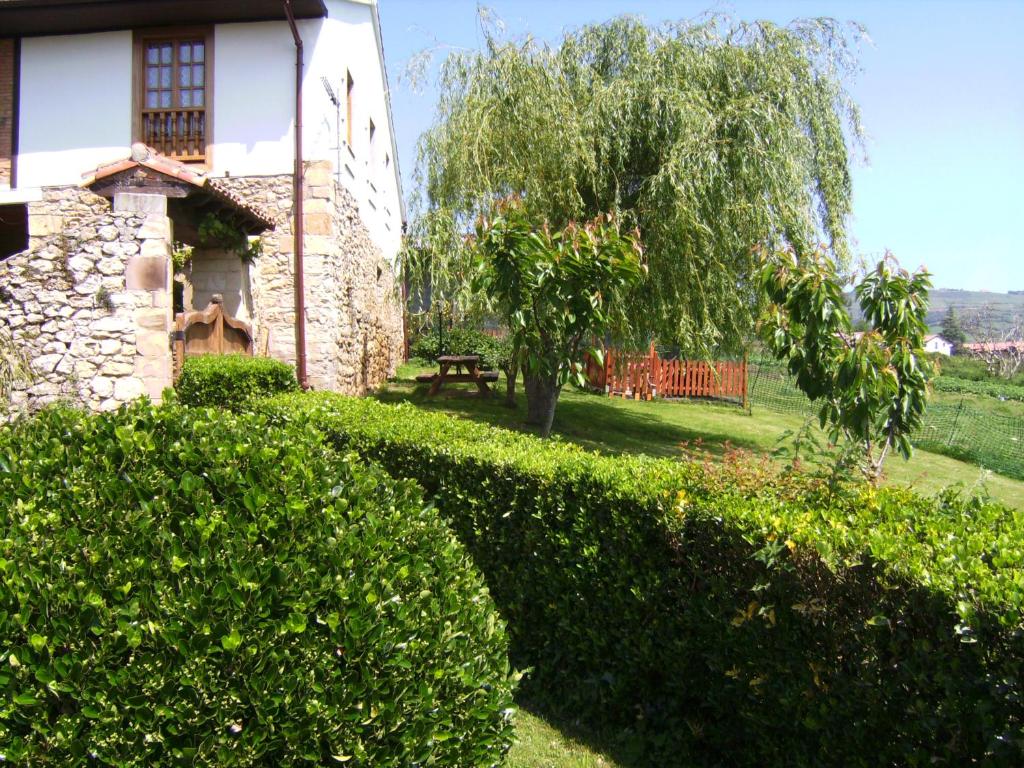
<point>445,375</point>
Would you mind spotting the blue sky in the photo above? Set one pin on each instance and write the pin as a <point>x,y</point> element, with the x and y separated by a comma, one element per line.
<point>942,95</point>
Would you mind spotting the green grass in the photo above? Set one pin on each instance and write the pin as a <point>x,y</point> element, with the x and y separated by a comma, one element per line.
<point>541,745</point>
<point>663,428</point>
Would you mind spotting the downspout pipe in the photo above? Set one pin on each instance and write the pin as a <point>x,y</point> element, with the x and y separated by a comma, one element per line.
<point>298,227</point>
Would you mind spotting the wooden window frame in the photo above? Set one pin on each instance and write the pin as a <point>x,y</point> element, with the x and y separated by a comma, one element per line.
<point>142,37</point>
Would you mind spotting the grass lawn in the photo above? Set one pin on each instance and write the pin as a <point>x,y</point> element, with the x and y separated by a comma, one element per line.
<point>539,745</point>
<point>663,428</point>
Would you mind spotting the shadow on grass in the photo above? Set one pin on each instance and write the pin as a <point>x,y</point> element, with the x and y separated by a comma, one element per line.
<point>594,421</point>
<point>623,748</point>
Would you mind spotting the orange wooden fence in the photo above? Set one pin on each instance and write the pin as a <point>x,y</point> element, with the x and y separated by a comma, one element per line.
<point>643,377</point>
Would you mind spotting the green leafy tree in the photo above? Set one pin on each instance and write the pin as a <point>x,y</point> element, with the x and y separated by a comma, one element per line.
<point>952,331</point>
<point>873,387</point>
<point>708,138</point>
<point>556,289</point>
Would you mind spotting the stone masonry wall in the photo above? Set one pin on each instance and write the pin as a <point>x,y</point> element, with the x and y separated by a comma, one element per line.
<point>89,301</point>
<point>218,270</point>
<point>353,315</point>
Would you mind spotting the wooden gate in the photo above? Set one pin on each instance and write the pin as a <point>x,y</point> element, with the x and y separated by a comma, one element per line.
<point>209,332</point>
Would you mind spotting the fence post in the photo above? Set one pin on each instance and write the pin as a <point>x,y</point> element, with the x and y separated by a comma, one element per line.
<point>652,373</point>
<point>956,420</point>
<point>748,403</point>
<point>608,371</point>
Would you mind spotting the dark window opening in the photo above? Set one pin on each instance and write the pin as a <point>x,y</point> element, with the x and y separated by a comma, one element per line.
<point>13,230</point>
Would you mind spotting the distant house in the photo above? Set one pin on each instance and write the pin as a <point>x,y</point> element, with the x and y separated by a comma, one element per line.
<point>936,344</point>
<point>933,343</point>
<point>129,128</point>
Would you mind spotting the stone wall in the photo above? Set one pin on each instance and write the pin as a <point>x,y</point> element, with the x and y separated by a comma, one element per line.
<point>353,314</point>
<point>217,270</point>
<point>89,301</point>
<point>271,285</point>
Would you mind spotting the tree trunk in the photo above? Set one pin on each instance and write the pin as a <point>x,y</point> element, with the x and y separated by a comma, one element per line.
<point>511,373</point>
<point>541,397</point>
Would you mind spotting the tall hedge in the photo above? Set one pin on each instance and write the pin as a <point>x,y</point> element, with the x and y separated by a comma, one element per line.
<point>722,622</point>
<point>186,587</point>
<point>493,352</point>
<point>232,381</point>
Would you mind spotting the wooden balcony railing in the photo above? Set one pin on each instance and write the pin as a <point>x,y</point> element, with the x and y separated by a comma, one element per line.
<point>177,133</point>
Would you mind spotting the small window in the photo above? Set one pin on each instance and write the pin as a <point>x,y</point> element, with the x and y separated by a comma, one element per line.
<point>350,86</point>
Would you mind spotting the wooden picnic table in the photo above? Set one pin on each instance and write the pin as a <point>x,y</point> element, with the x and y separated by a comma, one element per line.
<point>473,374</point>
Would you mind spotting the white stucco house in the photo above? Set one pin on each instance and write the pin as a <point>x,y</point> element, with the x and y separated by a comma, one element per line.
<point>128,128</point>
<point>935,343</point>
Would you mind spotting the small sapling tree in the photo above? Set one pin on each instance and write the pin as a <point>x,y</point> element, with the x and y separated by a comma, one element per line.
<point>872,387</point>
<point>556,290</point>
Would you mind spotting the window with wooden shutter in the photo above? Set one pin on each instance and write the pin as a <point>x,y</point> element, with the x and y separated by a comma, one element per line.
<point>173,94</point>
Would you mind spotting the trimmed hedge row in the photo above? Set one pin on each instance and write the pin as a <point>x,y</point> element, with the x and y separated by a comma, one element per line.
<point>185,587</point>
<point>1003,391</point>
<point>724,622</point>
<point>232,381</point>
<point>971,368</point>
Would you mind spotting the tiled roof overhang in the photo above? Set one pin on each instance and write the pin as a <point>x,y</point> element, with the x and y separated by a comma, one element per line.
<point>125,174</point>
<point>27,18</point>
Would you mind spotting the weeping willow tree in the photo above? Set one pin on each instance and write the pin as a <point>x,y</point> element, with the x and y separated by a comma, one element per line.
<point>709,138</point>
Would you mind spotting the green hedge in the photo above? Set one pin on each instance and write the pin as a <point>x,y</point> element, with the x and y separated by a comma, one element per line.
<point>967,367</point>
<point>185,587</point>
<point>1001,390</point>
<point>232,381</point>
<point>462,341</point>
<point>726,622</point>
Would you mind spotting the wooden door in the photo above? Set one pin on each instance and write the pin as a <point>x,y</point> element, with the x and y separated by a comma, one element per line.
<point>209,332</point>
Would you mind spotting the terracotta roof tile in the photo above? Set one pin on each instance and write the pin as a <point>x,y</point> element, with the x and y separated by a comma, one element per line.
<point>993,346</point>
<point>147,157</point>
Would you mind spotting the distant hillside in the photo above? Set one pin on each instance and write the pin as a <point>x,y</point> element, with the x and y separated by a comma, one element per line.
<point>966,303</point>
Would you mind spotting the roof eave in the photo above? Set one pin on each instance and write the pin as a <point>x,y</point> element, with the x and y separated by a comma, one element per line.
<point>375,17</point>
<point>37,18</point>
